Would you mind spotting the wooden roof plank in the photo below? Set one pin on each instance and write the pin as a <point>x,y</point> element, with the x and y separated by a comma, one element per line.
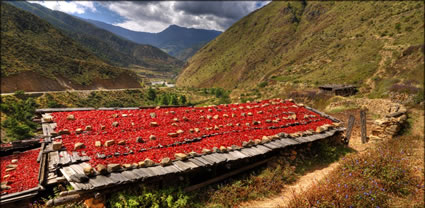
<point>68,157</point>
<point>209,159</point>
<point>220,157</point>
<point>196,162</point>
<point>266,149</point>
<point>229,156</point>
<point>157,170</point>
<point>76,156</point>
<point>263,149</point>
<point>247,152</point>
<point>171,169</point>
<point>67,172</point>
<point>301,140</point>
<point>148,172</point>
<point>290,141</point>
<point>118,178</point>
<point>139,173</point>
<point>284,143</point>
<point>77,169</point>
<point>190,164</point>
<point>182,166</point>
<point>253,151</point>
<point>130,175</point>
<point>202,160</point>
<point>101,181</point>
<point>271,145</point>
<point>234,155</point>
<point>239,154</point>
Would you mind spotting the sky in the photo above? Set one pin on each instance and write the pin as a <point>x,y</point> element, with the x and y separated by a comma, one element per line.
<point>155,16</point>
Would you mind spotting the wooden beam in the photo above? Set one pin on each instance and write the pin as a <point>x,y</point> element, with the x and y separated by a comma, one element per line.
<point>15,195</point>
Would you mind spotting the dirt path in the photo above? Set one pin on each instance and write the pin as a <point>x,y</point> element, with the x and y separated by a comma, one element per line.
<point>303,183</point>
<point>386,53</point>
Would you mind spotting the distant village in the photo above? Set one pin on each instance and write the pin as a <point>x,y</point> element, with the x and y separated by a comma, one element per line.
<point>162,83</point>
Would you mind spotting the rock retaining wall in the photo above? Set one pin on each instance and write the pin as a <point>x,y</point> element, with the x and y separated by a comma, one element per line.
<point>390,124</point>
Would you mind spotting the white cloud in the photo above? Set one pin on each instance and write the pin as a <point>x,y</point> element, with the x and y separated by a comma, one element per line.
<point>151,26</point>
<point>71,7</point>
<point>156,16</point>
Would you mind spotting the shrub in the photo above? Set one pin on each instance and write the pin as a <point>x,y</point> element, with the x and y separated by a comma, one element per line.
<point>173,100</point>
<point>419,97</point>
<point>143,196</point>
<point>398,27</point>
<point>182,100</point>
<point>404,88</point>
<point>19,110</point>
<point>262,84</point>
<point>151,94</point>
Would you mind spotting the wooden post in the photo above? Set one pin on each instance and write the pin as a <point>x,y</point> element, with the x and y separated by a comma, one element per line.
<point>363,125</point>
<point>350,126</point>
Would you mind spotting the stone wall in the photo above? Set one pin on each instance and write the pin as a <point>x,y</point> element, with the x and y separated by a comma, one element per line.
<point>390,124</point>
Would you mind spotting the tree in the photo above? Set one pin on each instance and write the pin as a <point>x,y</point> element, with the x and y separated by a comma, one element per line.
<point>173,100</point>
<point>218,92</point>
<point>151,94</point>
<point>182,99</point>
<point>163,100</point>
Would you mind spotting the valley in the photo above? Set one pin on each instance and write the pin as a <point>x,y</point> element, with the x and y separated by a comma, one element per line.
<point>179,42</point>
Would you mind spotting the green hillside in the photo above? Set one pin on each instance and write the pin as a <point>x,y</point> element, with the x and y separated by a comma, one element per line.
<point>33,49</point>
<point>369,44</point>
<point>106,45</point>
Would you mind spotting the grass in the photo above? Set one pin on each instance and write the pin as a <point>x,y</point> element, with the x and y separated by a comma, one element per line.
<point>340,109</point>
<point>390,175</point>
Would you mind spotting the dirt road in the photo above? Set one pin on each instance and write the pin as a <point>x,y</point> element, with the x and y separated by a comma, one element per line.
<point>31,93</point>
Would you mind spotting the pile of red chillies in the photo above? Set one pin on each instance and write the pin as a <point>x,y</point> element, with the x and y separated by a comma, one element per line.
<point>24,176</point>
<point>244,122</point>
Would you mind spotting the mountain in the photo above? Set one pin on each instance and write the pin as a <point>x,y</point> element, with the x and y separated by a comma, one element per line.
<point>369,44</point>
<point>179,42</point>
<point>106,45</point>
<point>35,56</point>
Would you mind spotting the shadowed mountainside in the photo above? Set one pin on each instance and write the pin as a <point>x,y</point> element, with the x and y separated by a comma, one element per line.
<point>106,45</point>
<point>36,57</point>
